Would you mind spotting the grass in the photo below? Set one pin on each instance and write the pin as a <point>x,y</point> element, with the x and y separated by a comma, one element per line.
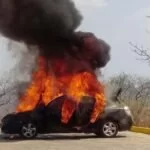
<point>141,113</point>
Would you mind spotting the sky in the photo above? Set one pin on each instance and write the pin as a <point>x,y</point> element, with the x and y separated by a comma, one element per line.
<point>118,22</point>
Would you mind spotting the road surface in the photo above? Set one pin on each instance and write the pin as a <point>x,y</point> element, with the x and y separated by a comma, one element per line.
<point>125,141</point>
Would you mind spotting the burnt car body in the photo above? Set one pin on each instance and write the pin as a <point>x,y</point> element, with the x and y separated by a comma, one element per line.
<point>47,119</point>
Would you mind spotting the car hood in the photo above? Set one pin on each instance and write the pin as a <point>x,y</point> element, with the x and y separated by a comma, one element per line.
<point>113,107</point>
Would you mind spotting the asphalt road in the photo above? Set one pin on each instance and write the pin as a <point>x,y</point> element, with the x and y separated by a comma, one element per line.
<point>124,141</point>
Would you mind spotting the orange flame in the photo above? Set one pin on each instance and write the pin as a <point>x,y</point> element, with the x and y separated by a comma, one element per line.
<point>51,81</point>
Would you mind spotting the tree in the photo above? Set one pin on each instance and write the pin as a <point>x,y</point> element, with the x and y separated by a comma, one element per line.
<point>126,88</point>
<point>119,87</point>
<point>14,82</point>
<point>140,51</point>
<point>7,89</point>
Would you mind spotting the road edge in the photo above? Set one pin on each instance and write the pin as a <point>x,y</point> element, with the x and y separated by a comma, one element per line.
<point>140,130</point>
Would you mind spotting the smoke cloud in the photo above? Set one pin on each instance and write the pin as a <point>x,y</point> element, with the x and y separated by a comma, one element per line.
<point>51,25</point>
<point>94,50</point>
<point>39,21</point>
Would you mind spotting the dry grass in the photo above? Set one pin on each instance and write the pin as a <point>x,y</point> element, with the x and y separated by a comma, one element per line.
<point>141,113</point>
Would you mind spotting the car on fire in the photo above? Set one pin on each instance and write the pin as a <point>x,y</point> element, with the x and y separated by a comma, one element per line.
<point>47,119</point>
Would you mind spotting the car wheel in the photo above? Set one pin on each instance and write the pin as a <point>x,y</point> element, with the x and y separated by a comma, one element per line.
<point>107,129</point>
<point>28,130</point>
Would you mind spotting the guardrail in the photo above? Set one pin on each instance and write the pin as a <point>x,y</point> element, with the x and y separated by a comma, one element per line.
<point>140,130</point>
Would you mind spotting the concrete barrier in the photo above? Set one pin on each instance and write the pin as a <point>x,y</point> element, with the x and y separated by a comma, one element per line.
<point>140,130</point>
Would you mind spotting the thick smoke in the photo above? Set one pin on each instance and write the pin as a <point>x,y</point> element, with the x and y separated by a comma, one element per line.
<point>51,25</point>
<point>93,50</point>
<point>39,21</point>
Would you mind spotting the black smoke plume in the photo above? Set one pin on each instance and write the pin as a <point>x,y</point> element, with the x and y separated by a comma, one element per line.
<point>51,25</point>
<point>39,21</point>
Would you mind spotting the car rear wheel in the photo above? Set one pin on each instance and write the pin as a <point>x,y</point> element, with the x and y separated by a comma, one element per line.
<point>28,130</point>
<point>107,129</point>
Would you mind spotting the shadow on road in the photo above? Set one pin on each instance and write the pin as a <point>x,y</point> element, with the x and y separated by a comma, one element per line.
<point>52,137</point>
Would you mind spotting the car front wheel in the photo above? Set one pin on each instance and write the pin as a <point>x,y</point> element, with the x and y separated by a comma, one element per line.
<point>107,129</point>
<point>28,130</point>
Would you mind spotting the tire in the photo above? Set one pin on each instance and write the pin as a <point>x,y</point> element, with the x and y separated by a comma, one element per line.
<point>28,130</point>
<point>107,129</point>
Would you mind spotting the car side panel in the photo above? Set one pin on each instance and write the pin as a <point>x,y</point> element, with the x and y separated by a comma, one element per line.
<point>120,117</point>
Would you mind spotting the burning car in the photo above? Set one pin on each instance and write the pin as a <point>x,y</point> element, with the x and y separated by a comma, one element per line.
<point>64,93</point>
<point>45,120</point>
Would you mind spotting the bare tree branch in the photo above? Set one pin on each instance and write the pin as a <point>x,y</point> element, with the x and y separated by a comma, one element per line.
<point>140,51</point>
